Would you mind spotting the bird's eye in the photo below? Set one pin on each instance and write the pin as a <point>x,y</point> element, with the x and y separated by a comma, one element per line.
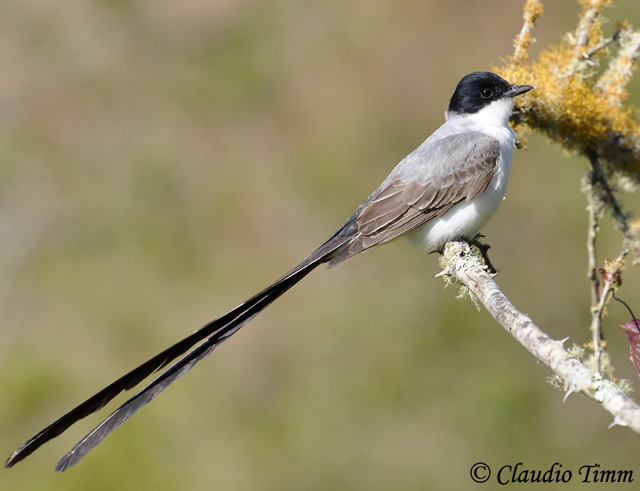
<point>486,93</point>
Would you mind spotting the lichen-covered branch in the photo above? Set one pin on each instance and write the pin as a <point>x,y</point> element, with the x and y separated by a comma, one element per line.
<point>589,24</point>
<point>572,104</point>
<point>459,262</point>
<point>583,108</point>
<point>532,10</point>
<point>612,83</point>
<point>594,208</point>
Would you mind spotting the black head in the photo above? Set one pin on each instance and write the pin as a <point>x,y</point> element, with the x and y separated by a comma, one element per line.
<point>479,89</point>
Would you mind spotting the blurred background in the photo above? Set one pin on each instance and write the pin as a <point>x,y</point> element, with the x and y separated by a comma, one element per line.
<point>162,161</point>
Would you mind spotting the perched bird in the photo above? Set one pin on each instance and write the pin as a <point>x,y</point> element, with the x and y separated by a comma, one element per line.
<point>446,189</point>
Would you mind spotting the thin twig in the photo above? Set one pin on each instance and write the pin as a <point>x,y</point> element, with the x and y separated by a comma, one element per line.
<point>594,206</point>
<point>592,234</point>
<point>599,181</point>
<point>626,305</point>
<point>532,10</point>
<point>586,22</point>
<point>613,81</point>
<point>521,46</point>
<point>461,264</point>
<point>597,309</point>
<point>601,45</point>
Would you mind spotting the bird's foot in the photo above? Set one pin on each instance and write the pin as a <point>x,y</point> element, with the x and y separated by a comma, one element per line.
<point>483,248</point>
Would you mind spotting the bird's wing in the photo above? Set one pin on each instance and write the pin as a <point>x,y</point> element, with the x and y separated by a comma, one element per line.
<point>424,186</point>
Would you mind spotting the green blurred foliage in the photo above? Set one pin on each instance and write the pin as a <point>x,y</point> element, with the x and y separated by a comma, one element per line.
<point>161,161</point>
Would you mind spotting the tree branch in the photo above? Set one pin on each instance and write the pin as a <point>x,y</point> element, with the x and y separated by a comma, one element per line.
<point>460,263</point>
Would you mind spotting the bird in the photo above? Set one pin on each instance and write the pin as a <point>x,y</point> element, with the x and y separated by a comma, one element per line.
<point>447,189</point>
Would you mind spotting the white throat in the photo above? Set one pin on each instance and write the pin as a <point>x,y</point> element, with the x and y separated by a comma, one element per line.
<point>491,120</point>
<point>496,113</point>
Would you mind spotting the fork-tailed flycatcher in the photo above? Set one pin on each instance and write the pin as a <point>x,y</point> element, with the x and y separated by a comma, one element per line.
<point>446,189</point>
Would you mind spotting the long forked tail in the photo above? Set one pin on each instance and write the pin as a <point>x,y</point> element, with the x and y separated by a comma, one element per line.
<point>196,346</point>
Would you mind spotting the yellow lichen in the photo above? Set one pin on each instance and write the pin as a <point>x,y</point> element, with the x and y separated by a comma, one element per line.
<point>570,104</point>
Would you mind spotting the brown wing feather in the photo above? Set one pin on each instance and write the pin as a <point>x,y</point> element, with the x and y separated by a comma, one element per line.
<point>383,209</point>
<point>401,206</point>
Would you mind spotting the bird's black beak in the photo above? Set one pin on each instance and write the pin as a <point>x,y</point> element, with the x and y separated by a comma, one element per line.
<point>515,90</point>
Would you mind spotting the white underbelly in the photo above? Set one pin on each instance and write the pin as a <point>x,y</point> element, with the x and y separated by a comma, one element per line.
<point>466,219</point>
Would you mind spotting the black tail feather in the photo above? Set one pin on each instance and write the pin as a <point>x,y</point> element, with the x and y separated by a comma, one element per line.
<point>209,336</point>
<point>175,371</point>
